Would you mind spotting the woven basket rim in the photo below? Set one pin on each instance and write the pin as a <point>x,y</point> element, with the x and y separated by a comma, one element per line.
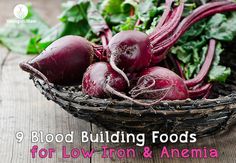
<point>78,99</point>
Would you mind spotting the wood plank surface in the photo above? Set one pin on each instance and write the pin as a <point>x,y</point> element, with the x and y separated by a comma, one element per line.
<point>24,109</point>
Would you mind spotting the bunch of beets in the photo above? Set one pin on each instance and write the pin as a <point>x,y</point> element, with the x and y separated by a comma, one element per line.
<point>125,65</point>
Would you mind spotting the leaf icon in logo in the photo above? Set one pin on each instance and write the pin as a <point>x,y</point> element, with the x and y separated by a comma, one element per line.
<point>20,11</point>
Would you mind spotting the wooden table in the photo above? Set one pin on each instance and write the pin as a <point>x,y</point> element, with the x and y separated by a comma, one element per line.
<point>24,109</point>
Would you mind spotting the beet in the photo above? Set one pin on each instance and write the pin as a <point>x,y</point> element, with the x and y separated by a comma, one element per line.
<point>159,82</point>
<point>100,79</point>
<point>63,62</point>
<point>162,84</point>
<point>129,51</point>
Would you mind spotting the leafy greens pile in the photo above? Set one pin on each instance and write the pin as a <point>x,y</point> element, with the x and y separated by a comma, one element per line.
<point>84,18</point>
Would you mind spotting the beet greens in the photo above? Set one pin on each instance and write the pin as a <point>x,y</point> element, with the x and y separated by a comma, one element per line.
<point>125,51</point>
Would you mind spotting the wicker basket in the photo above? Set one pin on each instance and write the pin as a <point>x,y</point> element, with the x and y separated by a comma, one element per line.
<point>203,117</point>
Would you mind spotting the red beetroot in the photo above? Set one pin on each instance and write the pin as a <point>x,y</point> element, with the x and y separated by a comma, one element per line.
<point>155,80</point>
<point>129,50</point>
<point>100,79</point>
<point>63,62</point>
<point>132,51</point>
<point>162,84</point>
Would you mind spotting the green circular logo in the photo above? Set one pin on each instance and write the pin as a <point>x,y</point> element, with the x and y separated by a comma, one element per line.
<point>20,11</point>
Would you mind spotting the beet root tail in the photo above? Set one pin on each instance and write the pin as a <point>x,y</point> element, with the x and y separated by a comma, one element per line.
<point>144,83</point>
<point>119,94</point>
<point>119,71</point>
<point>33,71</point>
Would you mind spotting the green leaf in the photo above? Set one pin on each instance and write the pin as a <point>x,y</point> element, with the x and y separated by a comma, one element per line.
<point>95,20</point>
<point>188,8</point>
<point>38,43</point>
<point>195,31</point>
<point>219,74</point>
<point>202,56</point>
<point>182,54</point>
<point>149,13</point>
<point>190,68</point>
<point>192,47</point>
<point>127,5</point>
<point>81,18</point>
<point>116,12</point>
<point>221,27</point>
<point>153,25</point>
<point>75,13</point>
<point>111,7</point>
<point>147,10</point>
<point>218,52</point>
<point>33,47</point>
<point>127,25</point>
<point>116,19</point>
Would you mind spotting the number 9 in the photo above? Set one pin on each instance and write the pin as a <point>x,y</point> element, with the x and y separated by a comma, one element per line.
<point>19,136</point>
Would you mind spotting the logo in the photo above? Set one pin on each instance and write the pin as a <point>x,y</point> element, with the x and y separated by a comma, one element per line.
<point>20,11</point>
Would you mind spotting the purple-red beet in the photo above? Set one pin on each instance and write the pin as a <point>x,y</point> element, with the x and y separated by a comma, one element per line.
<point>63,62</point>
<point>100,79</point>
<point>132,51</point>
<point>162,83</point>
<point>129,51</point>
<point>158,82</point>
